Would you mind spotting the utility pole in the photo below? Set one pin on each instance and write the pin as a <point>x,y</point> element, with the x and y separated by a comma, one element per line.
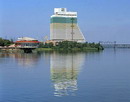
<point>72,26</point>
<point>114,44</point>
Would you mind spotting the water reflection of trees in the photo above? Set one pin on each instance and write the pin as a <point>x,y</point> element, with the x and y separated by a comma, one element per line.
<point>22,59</point>
<point>27,59</point>
<point>64,72</point>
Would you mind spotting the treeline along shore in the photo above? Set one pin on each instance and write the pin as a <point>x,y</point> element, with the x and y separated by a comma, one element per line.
<point>6,44</point>
<point>69,46</point>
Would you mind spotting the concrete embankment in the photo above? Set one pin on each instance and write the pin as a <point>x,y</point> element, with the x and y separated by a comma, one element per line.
<point>6,49</point>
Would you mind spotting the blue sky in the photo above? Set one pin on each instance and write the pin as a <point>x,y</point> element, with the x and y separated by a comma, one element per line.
<point>99,20</point>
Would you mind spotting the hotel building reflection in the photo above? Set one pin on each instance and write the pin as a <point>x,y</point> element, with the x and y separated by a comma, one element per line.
<point>64,72</point>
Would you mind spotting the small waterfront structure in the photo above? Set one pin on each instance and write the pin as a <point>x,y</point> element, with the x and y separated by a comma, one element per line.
<point>27,42</point>
<point>64,26</point>
<point>51,41</point>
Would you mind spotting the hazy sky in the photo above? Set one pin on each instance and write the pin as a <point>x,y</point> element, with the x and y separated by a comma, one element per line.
<point>99,20</point>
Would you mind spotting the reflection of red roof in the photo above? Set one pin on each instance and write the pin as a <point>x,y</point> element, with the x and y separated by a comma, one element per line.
<point>27,41</point>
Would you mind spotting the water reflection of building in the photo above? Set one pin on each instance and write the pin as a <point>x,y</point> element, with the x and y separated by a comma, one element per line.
<point>64,72</point>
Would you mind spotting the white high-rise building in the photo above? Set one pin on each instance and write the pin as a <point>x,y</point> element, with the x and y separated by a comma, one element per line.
<point>64,26</point>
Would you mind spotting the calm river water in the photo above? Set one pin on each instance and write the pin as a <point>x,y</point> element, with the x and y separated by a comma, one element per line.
<point>61,77</point>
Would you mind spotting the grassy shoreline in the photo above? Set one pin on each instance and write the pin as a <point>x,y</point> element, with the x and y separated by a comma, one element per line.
<point>40,50</point>
<point>85,49</point>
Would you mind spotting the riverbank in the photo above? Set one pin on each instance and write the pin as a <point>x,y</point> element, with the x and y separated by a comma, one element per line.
<point>69,46</point>
<point>85,49</point>
<point>65,46</point>
<point>13,50</point>
<point>37,50</point>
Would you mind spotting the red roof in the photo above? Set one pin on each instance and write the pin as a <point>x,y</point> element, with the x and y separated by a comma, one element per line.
<point>27,41</point>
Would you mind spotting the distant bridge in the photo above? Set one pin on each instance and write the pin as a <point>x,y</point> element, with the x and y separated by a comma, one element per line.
<point>108,44</point>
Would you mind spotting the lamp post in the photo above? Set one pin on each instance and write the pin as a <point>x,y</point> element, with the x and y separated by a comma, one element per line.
<point>114,44</point>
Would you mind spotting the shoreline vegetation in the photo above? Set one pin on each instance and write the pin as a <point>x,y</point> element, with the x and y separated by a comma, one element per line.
<point>64,46</point>
<point>6,42</point>
<point>69,46</point>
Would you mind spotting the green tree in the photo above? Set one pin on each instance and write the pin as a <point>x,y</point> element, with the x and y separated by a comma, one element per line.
<point>5,42</point>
